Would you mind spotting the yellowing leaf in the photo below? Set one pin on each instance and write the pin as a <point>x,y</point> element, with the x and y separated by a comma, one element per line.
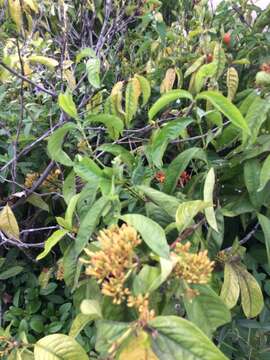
<point>251,294</point>
<point>145,88</point>
<point>138,348</point>
<point>70,79</point>
<point>220,59</point>
<point>15,11</point>
<point>232,82</point>
<point>133,92</point>
<point>116,98</point>
<point>8,223</point>
<point>230,289</point>
<point>208,197</point>
<point>168,81</point>
<point>43,60</point>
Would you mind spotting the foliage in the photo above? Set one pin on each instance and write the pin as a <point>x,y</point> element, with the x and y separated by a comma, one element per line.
<point>134,169</point>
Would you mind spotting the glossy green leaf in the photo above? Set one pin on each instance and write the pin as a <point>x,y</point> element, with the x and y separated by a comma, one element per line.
<point>70,209</point>
<point>113,123</point>
<point>143,282</point>
<point>187,211</point>
<point>178,339</point>
<point>251,294</point>
<point>55,145</point>
<point>79,323</point>
<point>59,347</point>
<point>166,99</point>
<point>265,224</point>
<point>208,190</point>
<point>67,104</point>
<point>51,242</point>
<point>163,136</point>
<point>265,173</point>
<point>207,310</point>
<point>230,290</point>
<point>225,106</point>
<point>179,164</point>
<point>93,72</point>
<point>151,232</point>
<point>257,115</point>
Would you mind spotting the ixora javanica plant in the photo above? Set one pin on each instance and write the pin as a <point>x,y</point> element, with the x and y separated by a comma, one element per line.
<point>135,170</point>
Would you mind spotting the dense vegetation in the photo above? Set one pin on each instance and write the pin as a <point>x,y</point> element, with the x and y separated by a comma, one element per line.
<point>134,170</point>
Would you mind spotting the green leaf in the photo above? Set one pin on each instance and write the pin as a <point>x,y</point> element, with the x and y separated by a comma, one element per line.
<point>166,99</point>
<point>178,339</point>
<point>225,106</point>
<point>208,197</point>
<point>93,72</point>
<point>265,224</point>
<point>265,173</point>
<point>252,170</point>
<point>195,66</point>
<point>207,310</point>
<point>256,116</point>
<point>87,227</point>
<point>13,271</point>
<point>187,211</point>
<point>251,294</point>
<point>179,164</point>
<point>59,347</point>
<point>87,169</point>
<point>142,283</point>
<point>67,104</point>
<point>86,52</point>
<point>69,187</point>
<point>91,307</point>
<point>79,323</point>
<point>51,242</point>
<point>70,210</point>
<point>43,60</point>
<point>163,136</point>
<point>113,123</point>
<point>205,72</point>
<point>230,290</point>
<point>145,88</point>
<point>118,150</point>
<point>166,202</point>
<point>152,233</point>
<point>90,310</point>
<point>107,333</point>
<point>55,145</point>
<point>38,202</point>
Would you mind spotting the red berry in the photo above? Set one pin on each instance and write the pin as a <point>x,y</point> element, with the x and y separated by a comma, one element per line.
<point>209,58</point>
<point>227,38</point>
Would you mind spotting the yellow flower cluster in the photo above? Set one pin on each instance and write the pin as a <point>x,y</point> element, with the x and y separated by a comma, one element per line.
<point>30,179</point>
<point>141,304</point>
<point>49,183</point>
<point>193,268</point>
<point>112,264</point>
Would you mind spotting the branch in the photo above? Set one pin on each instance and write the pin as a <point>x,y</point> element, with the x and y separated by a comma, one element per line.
<point>20,76</point>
